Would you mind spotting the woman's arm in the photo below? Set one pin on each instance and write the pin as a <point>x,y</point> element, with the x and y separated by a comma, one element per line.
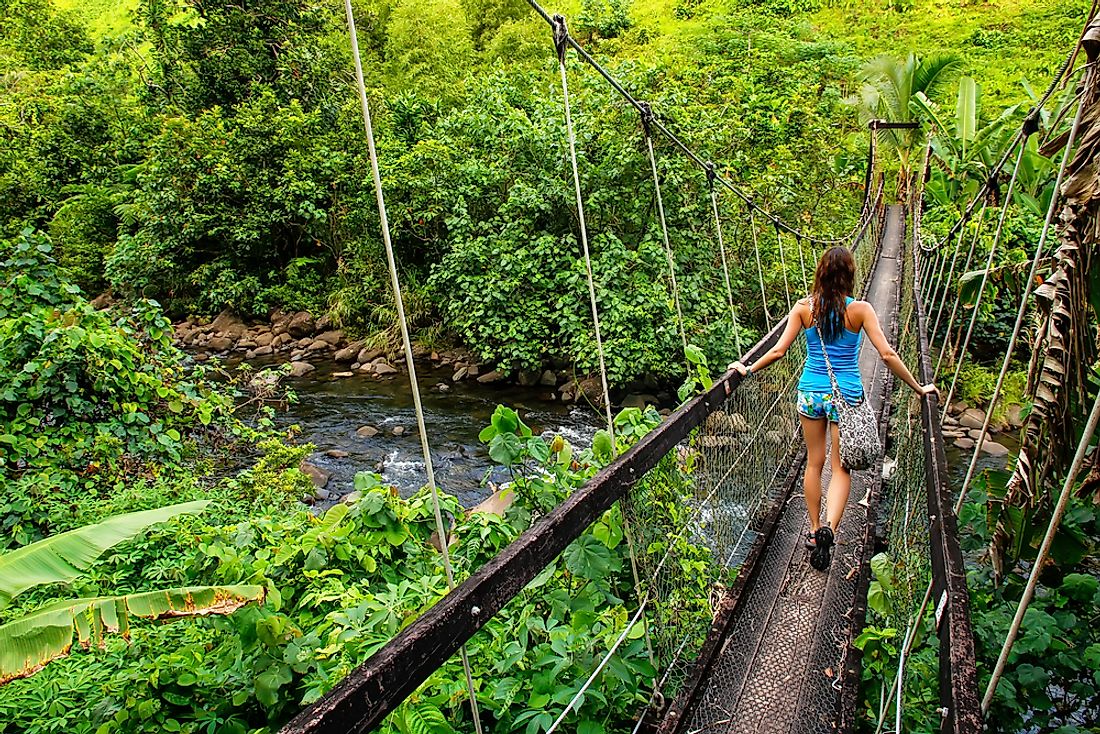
<point>776,353</point>
<point>889,355</point>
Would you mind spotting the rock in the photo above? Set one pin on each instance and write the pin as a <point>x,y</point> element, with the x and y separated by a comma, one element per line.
<point>300,325</point>
<point>368,354</point>
<point>300,369</point>
<point>959,407</point>
<point>201,357</point>
<point>591,389</point>
<point>964,443</point>
<point>460,374</point>
<point>972,418</point>
<point>102,301</point>
<point>435,356</point>
<point>304,342</point>
<point>638,401</point>
<point>337,454</point>
<point>548,379</point>
<point>347,354</point>
<point>279,340</point>
<point>318,346</point>
<point>250,354</point>
<point>366,369</point>
<point>264,338</point>
<point>321,494</point>
<point>246,344</point>
<point>308,499</point>
<point>399,430</point>
<point>994,449</point>
<point>263,351</point>
<point>949,420</point>
<point>341,375</point>
<point>297,355</point>
<point>319,476</point>
<point>666,412</point>
<point>332,338</point>
<point>351,498</point>
<point>367,432</point>
<point>974,433</point>
<point>225,320</point>
<point>528,378</point>
<point>495,504</point>
<point>383,368</point>
<point>473,370</point>
<point>1014,415</point>
<point>443,387</point>
<point>490,377</point>
<point>220,344</point>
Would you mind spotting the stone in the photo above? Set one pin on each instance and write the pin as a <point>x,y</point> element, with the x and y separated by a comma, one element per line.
<point>635,400</point>
<point>322,494</point>
<point>959,407</point>
<point>201,357</point>
<point>308,499</point>
<point>263,351</point>
<point>399,430</point>
<point>332,338</point>
<point>974,433</point>
<point>382,368</point>
<point>443,387</point>
<point>264,338</point>
<point>246,344</point>
<point>1014,415</point>
<point>220,344</point>
<point>347,354</point>
<point>548,379</point>
<point>435,356</point>
<point>102,301</point>
<point>300,325</point>
<point>994,449</point>
<point>342,375</point>
<point>591,389</point>
<point>528,378</point>
<point>368,354</point>
<point>304,342</point>
<point>337,454</point>
<point>319,476</point>
<point>366,369</point>
<point>473,370</point>
<point>490,377</point>
<point>318,345</point>
<point>972,418</point>
<point>351,498</point>
<point>949,420</point>
<point>225,320</point>
<point>460,374</point>
<point>250,354</point>
<point>367,432</point>
<point>495,504</point>
<point>964,443</point>
<point>300,369</point>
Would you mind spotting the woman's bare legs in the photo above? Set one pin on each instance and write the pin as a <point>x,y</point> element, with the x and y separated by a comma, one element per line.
<point>813,431</point>
<point>840,484</point>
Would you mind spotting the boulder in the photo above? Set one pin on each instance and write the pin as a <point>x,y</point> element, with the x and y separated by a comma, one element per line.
<point>321,494</point>
<point>304,342</point>
<point>300,369</point>
<point>225,320</point>
<point>1014,414</point>
<point>443,387</point>
<point>994,449</point>
<point>974,433</point>
<point>263,351</point>
<point>460,374</point>
<point>319,476</point>
<point>337,454</point>
<point>102,301</point>
<point>528,378</point>
<point>473,370</point>
<point>591,389</point>
<point>490,377</point>
<point>548,379</point>
<point>264,338</point>
<point>367,432</point>
<point>636,400</point>
<point>342,375</point>
<point>398,430</point>
<point>348,353</point>
<point>495,504</point>
<point>300,325</point>
<point>959,407</point>
<point>201,357</point>
<point>220,344</point>
<point>317,345</point>
<point>972,418</point>
<point>369,354</point>
<point>383,368</point>
<point>964,443</point>
<point>250,355</point>
<point>246,344</point>
<point>332,338</point>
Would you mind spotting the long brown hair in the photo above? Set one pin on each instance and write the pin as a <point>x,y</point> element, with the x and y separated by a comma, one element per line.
<point>834,281</point>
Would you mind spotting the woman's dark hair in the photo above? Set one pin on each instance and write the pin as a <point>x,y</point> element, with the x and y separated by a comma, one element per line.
<point>833,283</point>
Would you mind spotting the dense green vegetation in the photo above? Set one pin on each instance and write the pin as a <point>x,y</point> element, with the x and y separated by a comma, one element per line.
<point>191,157</point>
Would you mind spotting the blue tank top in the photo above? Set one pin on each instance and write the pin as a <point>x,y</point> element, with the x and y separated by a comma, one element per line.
<point>844,356</point>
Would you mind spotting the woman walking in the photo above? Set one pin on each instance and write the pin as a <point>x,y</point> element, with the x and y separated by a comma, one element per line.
<point>830,316</point>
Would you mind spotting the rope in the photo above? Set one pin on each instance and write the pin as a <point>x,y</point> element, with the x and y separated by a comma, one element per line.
<point>759,267</point>
<point>961,352</point>
<point>647,120</point>
<point>1040,558</point>
<point>722,250</point>
<point>1022,311</point>
<point>407,342</point>
<point>783,267</point>
<point>561,36</point>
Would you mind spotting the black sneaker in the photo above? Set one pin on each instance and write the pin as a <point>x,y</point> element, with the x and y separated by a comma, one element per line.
<point>822,554</point>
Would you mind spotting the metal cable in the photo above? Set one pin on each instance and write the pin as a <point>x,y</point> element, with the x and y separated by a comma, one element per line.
<point>759,267</point>
<point>725,264</point>
<point>407,342</point>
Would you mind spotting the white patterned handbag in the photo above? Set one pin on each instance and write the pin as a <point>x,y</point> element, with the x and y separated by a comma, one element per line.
<point>860,446</point>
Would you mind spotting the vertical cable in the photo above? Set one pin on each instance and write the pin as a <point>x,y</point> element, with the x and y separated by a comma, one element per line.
<point>722,250</point>
<point>783,265</point>
<point>759,268</point>
<point>399,301</point>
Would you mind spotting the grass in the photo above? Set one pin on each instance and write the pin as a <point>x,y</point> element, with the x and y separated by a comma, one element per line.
<point>103,18</point>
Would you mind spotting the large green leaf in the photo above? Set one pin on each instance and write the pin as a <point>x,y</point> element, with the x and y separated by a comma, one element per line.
<point>28,643</point>
<point>65,556</point>
<point>966,112</point>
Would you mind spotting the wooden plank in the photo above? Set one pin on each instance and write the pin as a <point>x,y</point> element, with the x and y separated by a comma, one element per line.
<point>369,693</point>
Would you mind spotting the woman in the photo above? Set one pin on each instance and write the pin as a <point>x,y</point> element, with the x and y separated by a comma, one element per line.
<point>830,314</point>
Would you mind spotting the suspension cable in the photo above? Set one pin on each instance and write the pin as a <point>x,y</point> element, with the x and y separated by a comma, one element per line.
<point>759,267</point>
<point>961,352</point>
<point>395,281</point>
<point>561,37</point>
<point>783,267</point>
<point>647,121</point>
<point>802,263</point>
<point>947,288</point>
<point>1022,311</point>
<point>722,249</point>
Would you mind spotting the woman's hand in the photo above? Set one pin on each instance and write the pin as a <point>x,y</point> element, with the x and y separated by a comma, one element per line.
<point>741,369</point>
<point>930,389</point>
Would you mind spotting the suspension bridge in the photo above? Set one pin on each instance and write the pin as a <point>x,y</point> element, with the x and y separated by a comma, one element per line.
<point>770,646</point>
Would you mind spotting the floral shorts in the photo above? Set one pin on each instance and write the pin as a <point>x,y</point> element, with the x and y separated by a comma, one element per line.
<point>817,405</point>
